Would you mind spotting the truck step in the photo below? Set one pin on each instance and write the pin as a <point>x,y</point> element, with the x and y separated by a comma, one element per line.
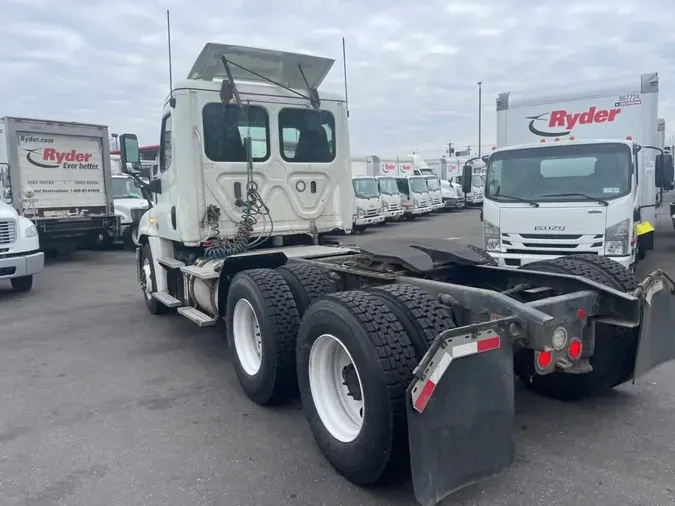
<point>200,272</point>
<point>196,316</point>
<point>170,263</point>
<point>166,299</point>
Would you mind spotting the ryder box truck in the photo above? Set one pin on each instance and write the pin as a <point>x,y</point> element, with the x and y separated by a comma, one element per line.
<point>59,177</point>
<point>575,173</point>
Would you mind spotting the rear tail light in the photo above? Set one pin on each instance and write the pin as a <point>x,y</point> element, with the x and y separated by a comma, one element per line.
<point>543,359</point>
<point>574,349</point>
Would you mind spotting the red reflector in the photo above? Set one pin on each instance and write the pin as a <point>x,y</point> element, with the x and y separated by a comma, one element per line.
<point>491,343</point>
<point>581,314</point>
<point>574,349</point>
<point>543,359</point>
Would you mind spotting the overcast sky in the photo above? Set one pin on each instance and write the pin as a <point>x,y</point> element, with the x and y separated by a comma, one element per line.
<point>412,65</point>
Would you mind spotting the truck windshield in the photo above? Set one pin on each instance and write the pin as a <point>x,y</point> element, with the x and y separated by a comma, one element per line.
<point>124,188</point>
<point>388,186</point>
<point>432,183</point>
<point>418,185</point>
<point>365,187</point>
<point>600,171</point>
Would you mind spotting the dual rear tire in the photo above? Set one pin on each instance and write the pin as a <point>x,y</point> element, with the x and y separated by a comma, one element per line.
<point>349,355</point>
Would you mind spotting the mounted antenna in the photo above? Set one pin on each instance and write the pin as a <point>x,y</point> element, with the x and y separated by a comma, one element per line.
<point>344,67</point>
<point>172,99</point>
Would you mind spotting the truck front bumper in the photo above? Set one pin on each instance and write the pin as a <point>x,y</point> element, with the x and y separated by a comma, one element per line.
<point>372,220</point>
<point>416,211</point>
<point>21,265</point>
<point>389,215</point>
<point>450,202</point>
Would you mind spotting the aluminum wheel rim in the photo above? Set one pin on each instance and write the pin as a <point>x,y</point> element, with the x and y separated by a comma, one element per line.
<point>147,274</point>
<point>247,337</point>
<point>340,412</point>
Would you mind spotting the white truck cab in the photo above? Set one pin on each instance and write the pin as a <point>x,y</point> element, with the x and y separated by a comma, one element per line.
<point>20,255</point>
<point>130,206</point>
<point>414,196</point>
<point>576,173</point>
<point>391,198</point>
<point>273,172</point>
<point>367,202</point>
<point>433,183</point>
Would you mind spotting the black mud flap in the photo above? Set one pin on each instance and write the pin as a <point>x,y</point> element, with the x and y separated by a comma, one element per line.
<point>460,411</point>
<point>656,344</point>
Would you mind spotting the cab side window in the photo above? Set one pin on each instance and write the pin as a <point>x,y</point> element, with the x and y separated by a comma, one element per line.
<point>165,145</point>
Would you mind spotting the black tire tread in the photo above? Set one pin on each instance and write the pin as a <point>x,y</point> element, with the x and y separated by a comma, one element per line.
<point>397,361</point>
<point>314,282</point>
<point>282,313</point>
<point>426,314</point>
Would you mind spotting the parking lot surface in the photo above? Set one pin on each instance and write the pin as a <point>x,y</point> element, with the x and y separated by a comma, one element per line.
<point>105,404</point>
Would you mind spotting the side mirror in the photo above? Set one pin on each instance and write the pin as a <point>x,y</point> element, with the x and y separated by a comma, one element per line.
<point>668,171</point>
<point>130,154</point>
<point>467,173</point>
<point>485,158</point>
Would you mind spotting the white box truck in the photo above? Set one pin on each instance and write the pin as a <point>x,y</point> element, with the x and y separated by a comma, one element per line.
<point>386,182</point>
<point>377,339</point>
<point>575,173</point>
<point>453,196</point>
<point>367,202</point>
<point>422,168</point>
<point>60,179</point>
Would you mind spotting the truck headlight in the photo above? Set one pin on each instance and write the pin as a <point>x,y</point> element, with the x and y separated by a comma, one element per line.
<point>491,235</point>
<point>416,202</point>
<point>361,212</point>
<point>617,238</point>
<point>385,206</point>
<point>31,232</point>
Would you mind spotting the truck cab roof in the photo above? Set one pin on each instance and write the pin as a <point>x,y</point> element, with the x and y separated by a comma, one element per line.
<point>532,145</point>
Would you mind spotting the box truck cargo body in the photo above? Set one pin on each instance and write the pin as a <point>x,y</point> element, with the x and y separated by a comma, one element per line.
<point>574,173</point>
<point>60,179</point>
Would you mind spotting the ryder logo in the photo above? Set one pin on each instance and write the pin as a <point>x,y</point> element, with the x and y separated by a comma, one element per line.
<point>51,158</point>
<point>406,167</point>
<point>388,167</point>
<point>561,122</point>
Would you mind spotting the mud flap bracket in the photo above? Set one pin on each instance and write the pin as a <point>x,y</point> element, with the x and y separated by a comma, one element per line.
<point>460,410</point>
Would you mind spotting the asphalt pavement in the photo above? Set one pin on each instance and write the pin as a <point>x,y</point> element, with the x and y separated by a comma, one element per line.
<point>104,404</point>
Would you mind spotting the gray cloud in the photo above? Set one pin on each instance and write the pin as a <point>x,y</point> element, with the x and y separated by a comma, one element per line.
<point>412,66</point>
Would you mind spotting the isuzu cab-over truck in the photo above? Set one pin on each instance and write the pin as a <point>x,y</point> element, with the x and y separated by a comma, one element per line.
<point>378,340</point>
<point>575,174</point>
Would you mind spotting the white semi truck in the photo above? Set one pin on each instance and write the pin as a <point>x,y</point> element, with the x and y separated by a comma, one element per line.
<point>59,177</point>
<point>378,340</point>
<point>20,255</point>
<point>575,173</point>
